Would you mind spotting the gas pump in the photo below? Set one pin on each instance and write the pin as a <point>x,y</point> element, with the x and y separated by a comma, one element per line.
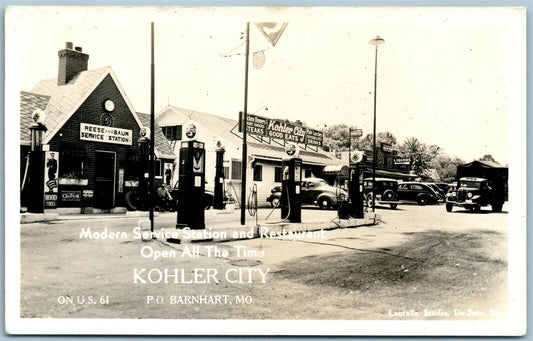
<point>355,185</point>
<point>218,200</point>
<point>191,190</point>
<point>290,201</point>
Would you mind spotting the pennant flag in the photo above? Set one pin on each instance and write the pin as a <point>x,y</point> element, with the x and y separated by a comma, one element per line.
<point>272,30</point>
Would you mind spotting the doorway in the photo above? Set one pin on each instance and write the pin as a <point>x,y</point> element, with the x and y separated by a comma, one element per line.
<point>104,181</point>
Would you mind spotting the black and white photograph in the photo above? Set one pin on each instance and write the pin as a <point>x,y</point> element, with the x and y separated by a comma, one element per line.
<point>265,170</point>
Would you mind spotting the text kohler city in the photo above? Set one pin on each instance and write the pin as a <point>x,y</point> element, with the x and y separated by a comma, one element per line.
<point>197,275</point>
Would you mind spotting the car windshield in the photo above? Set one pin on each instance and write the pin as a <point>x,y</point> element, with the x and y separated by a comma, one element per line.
<point>470,184</point>
<point>388,184</point>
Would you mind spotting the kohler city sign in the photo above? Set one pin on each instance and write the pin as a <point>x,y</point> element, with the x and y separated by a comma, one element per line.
<point>96,133</point>
<point>279,129</point>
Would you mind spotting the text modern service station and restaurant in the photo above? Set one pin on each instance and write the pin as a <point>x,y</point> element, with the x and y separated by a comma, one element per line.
<point>90,138</point>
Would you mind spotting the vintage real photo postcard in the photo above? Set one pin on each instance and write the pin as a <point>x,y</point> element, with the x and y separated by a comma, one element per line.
<point>265,171</point>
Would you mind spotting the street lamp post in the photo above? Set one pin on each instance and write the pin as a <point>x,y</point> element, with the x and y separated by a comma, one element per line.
<point>376,41</point>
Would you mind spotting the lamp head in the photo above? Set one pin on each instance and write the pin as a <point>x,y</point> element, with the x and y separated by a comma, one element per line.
<point>377,41</point>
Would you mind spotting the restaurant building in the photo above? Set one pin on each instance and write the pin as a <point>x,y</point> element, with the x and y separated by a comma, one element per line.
<point>265,155</point>
<point>90,148</point>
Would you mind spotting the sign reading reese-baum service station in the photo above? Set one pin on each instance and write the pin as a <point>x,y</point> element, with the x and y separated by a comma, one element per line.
<point>278,129</point>
<point>96,133</point>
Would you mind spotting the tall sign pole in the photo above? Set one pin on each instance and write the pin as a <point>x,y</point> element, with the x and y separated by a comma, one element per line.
<point>243,122</point>
<point>152,132</point>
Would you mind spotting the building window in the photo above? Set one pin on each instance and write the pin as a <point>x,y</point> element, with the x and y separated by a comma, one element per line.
<point>226,172</point>
<point>71,161</point>
<point>172,133</point>
<point>258,173</point>
<point>278,173</point>
<point>307,173</point>
<point>236,171</point>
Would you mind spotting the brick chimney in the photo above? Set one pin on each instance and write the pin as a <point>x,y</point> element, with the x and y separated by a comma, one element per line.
<point>71,62</point>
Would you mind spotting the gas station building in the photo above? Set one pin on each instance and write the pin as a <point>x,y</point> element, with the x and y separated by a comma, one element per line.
<point>91,153</point>
<point>264,155</point>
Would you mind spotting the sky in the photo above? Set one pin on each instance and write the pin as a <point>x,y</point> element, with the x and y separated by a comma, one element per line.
<point>449,77</point>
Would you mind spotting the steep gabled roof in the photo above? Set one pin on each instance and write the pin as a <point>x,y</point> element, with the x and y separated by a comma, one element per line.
<point>162,148</point>
<point>66,99</point>
<point>29,102</point>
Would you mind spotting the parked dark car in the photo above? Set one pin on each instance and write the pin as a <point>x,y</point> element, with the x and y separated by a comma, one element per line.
<point>417,192</point>
<point>444,187</point>
<point>440,193</point>
<point>314,191</point>
<point>274,198</point>
<point>385,192</point>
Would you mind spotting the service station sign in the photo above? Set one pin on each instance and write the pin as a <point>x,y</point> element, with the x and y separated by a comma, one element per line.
<point>279,129</point>
<point>96,133</point>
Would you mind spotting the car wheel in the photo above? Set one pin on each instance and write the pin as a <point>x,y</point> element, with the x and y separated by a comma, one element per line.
<point>388,194</point>
<point>275,202</point>
<point>369,200</point>
<point>324,203</point>
<point>477,208</point>
<point>449,207</point>
<point>422,201</point>
<point>393,206</point>
<point>208,201</point>
<point>497,207</point>
<point>132,201</point>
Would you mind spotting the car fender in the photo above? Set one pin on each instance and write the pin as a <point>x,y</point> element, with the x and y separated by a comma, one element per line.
<point>426,195</point>
<point>330,196</point>
<point>274,195</point>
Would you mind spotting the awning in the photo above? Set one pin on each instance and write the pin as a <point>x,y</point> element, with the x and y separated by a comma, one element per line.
<point>335,170</point>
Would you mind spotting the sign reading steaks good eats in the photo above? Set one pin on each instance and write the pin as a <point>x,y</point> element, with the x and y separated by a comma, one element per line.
<point>279,129</point>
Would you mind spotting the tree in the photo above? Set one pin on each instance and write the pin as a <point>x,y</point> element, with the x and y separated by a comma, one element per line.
<point>487,157</point>
<point>336,137</point>
<point>418,152</point>
<point>367,142</point>
<point>446,166</point>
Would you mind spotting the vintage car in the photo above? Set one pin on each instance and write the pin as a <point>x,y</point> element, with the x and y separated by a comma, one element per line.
<point>314,191</point>
<point>474,193</point>
<point>444,187</point>
<point>440,193</point>
<point>385,192</point>
<point>417,192</point>
<point>274,197</point>
<point>451,195</point>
